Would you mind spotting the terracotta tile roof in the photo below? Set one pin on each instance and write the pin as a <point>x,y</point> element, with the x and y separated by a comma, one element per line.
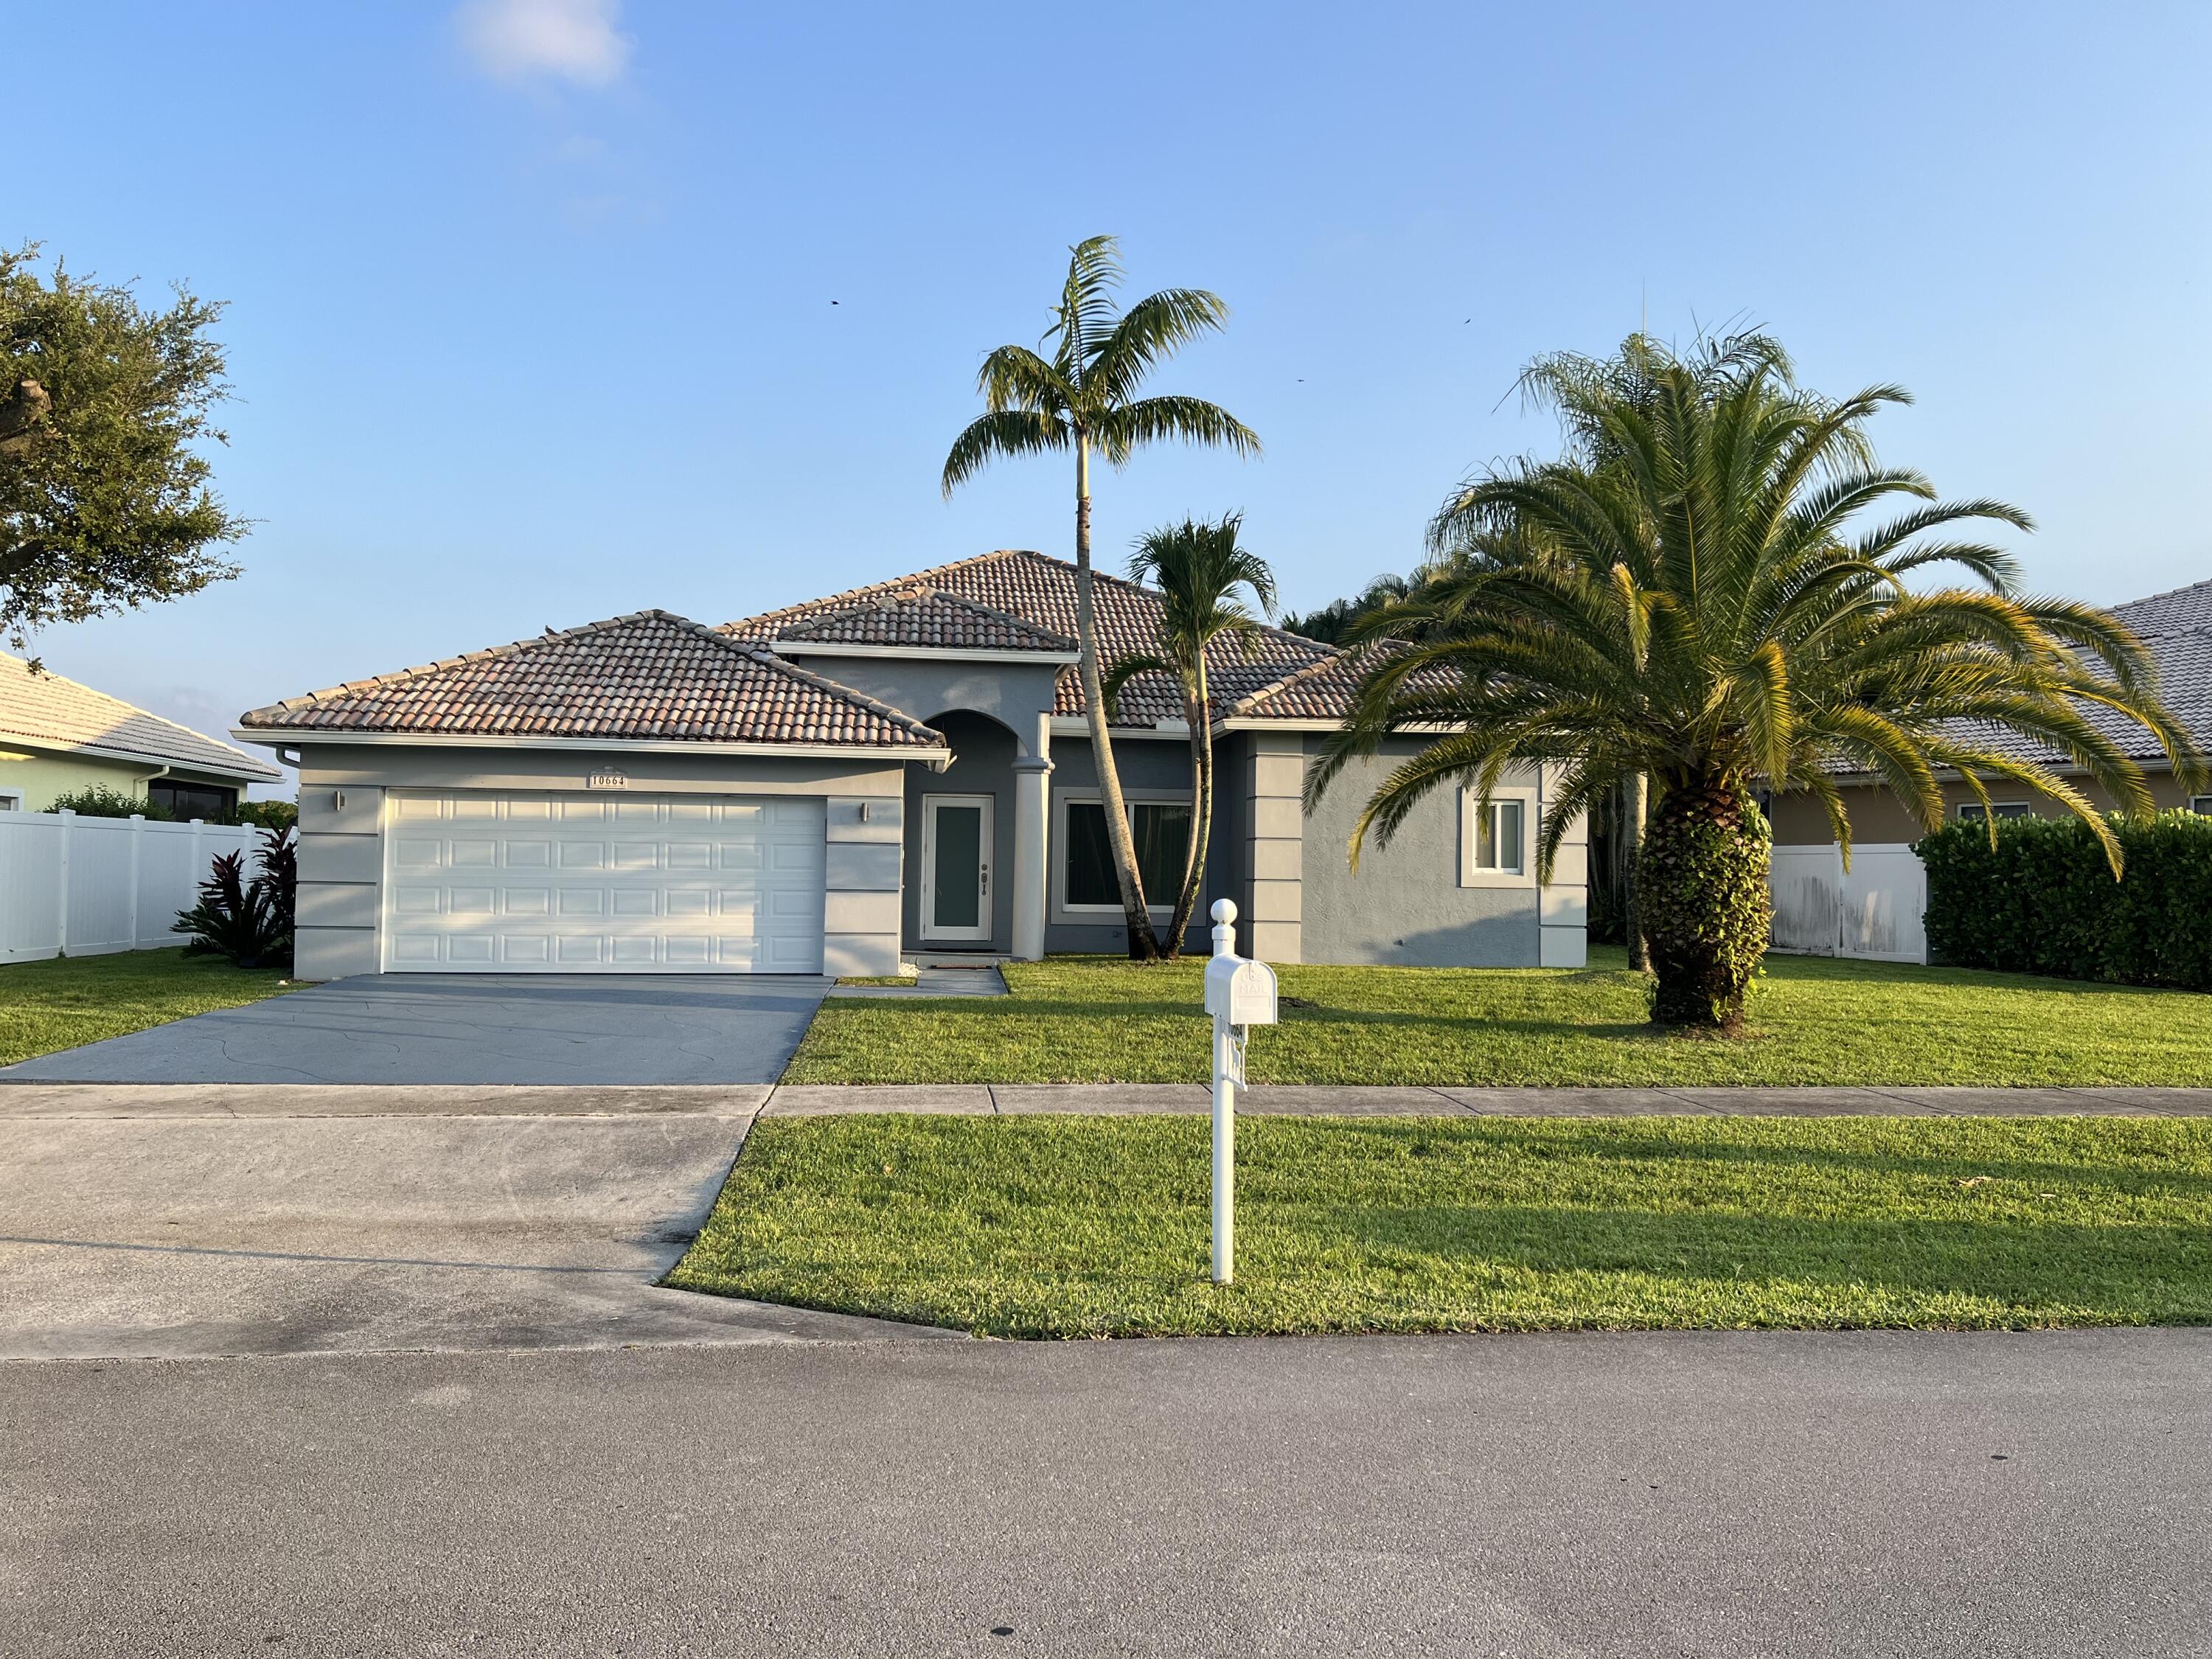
<point>46,709</point>
<point>649,677</point>
<point>1040,592</point>
<point>924,618</point>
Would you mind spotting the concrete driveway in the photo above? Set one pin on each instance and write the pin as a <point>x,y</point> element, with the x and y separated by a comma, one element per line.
<point>471,1029</point>
<point>196,1222</point>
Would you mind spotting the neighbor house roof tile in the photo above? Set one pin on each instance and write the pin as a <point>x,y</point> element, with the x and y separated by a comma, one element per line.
<point>45,709</point>
<point>649,677</point>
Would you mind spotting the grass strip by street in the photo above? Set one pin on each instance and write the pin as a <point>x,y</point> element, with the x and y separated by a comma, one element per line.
<point>1815,1020</point>
<point>65,1001</point>
<point>1089,1226</point>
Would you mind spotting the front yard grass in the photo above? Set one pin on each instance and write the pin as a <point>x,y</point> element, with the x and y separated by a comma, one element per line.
<point>1815,1020</point>
<point>1088,1226</point>
<point>70,1000</point>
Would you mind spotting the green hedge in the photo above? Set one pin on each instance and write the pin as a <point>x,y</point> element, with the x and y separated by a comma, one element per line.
<point>2043,900</point>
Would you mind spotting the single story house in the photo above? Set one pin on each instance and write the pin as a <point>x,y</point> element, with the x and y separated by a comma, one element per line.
<point>2176,628</point>
<point>58,738</point>
<point>834,786</point>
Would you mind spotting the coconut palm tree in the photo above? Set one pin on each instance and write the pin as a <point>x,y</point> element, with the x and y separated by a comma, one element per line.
<point>1202,576</point>
<point>1699,608</point>
<point>1078,393</point>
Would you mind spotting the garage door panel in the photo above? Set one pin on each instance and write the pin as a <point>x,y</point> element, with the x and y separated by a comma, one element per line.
<point>561,884</point>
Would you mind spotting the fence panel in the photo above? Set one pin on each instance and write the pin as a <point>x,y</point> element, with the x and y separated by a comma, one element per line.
<point>80,886</point>
<point>1884,910</point>
<point>1875,910</point>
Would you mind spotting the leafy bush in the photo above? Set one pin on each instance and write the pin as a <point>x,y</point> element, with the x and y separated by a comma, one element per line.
<point>267,814</point>
<point>101,800</point>
<point>249,921</point>
<point>2043,900</point>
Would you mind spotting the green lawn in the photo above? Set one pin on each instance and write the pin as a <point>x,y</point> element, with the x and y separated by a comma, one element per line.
<point>1816,1020</point>
<point>59,1004</point>
<point>1087,1226</point>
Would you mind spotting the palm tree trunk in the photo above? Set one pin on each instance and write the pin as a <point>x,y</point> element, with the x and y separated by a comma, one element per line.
<point>1701,890</point>
<point>1201,816</point>
<point>1144,946</point>
<point>1637,808</point>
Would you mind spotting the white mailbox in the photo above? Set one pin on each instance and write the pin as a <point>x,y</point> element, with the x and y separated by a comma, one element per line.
<point>1240,992</point>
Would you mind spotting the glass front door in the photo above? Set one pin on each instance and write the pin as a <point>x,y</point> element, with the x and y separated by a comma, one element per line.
<point>956,861</point>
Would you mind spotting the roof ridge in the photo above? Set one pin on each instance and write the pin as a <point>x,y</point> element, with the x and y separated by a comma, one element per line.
<point>921,593</point>
<point>768,658</point>
<point>398,675</point>
<point>1252,699</point>
<point>856,594</point>
<point>2165,593</point>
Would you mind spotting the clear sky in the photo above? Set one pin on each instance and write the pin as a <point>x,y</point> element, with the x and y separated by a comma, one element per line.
<point>531,315</point>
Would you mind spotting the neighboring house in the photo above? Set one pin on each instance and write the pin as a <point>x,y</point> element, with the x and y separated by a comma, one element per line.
<point>1876,909</point>
<point>2176,629</point>
<point>904,767</point>
<point>58,736</point>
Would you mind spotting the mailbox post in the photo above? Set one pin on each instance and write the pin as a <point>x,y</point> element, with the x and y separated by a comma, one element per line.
<point>1239,994</point>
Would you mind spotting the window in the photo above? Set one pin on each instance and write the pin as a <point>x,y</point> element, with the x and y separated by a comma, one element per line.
<point>12,800</point>
<point>1496,838</point>
<point>1162,829</point>
<point>193,800</point>
<point>2201,803</point>
<point>1972,811</point>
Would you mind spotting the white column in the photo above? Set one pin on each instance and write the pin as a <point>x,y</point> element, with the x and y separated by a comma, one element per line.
<point>1032,798</point>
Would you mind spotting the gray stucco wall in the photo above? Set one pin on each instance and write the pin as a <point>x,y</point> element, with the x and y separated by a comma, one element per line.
<point>983,764</point>
<point>1153,768</point>
<point>342,845</point>
<point>1014,693</point>
<point>1407,905</point>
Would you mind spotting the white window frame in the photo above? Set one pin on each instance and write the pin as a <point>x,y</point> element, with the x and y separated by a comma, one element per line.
<point>12,800</point>
<point>1971,811</point>
<point>1062,799</point>
<point>2201,803</point>
<point>1471,811</point>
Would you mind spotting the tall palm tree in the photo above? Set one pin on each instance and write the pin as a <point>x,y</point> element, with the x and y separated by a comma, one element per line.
<point>1078,392</point>
<point>1202,574</point>
<point>1704,612</point>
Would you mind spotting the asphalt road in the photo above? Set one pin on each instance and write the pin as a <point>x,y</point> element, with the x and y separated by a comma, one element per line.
<point>1691,1494</point>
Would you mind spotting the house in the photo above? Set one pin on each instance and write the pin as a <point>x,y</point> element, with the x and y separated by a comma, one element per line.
<point>58,738</point>
<point>2176,628</point>
<point>829,787</point>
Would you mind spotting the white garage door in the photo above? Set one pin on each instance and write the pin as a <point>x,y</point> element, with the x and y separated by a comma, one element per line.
<point>603,883</point>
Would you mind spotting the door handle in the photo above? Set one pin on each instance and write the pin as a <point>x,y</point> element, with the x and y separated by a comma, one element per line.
<point>983,882</point>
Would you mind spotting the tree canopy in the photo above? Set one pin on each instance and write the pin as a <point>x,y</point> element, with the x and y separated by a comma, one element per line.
<point>105,406</point>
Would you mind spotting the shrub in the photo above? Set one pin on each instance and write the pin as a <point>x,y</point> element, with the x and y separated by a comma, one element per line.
<point>2043,900</point>
<point>249,921</point>
<point>101,800</point>
<point>267,814</point>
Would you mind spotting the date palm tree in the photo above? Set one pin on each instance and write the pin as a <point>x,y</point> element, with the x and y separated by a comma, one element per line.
<point>1699,607</point>
<point>1202,575</point>
<point>1078,394</point>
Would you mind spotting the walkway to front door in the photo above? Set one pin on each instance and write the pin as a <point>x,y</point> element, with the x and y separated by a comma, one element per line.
<point>956,861</point>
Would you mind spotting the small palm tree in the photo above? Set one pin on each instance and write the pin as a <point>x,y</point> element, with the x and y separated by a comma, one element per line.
<point>1694,605</point>
<point>1201,574</point>
<point>1079,394</point>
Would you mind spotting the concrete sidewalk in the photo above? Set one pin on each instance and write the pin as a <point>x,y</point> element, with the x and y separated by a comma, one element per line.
<point>745,1101</point>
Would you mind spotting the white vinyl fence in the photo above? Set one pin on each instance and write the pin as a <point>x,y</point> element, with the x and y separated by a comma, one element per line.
<point>79,887</point>
<point>1877,909</point>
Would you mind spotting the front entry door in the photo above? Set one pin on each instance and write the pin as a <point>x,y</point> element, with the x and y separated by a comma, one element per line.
<point>955,863</point>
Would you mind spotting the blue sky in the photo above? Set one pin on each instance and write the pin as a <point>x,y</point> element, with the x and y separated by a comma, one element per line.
<point>531,314</point>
